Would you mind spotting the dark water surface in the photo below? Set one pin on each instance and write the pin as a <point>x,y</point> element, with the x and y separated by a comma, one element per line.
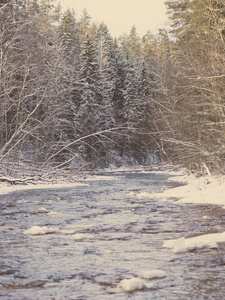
<point>121,236</point>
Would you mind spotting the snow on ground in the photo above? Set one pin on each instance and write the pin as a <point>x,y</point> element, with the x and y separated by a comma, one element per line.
<point>202,190</point>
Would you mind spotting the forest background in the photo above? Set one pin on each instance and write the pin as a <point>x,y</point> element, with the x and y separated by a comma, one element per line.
<point>71,96</point>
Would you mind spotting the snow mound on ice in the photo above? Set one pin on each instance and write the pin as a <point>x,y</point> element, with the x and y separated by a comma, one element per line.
<point>37,230</point>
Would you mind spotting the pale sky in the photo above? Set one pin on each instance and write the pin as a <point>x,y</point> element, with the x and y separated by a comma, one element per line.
<point>121,15</point>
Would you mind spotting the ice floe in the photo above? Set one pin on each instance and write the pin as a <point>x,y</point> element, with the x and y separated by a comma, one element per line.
<point>151,274</point>
<point>194,243</point>
<point>37,230</point>
<point>134,284</point>
<point>42,210</point>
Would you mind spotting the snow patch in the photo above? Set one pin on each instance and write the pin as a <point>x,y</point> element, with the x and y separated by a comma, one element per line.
<point>202,190</point>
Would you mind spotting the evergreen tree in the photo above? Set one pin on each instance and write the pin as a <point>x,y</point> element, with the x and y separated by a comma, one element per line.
<point>68,33</point>
<point>84,25</point>
<point>120,76</point>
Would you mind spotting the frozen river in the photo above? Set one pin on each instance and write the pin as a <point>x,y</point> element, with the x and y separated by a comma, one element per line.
<point>90,238</point>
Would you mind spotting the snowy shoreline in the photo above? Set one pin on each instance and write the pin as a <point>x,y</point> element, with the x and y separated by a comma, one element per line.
<point>202,190</point>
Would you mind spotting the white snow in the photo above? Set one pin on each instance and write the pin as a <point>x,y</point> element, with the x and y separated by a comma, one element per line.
<point>37,230</point>
<point>203,190</point>
<point>193,243</point>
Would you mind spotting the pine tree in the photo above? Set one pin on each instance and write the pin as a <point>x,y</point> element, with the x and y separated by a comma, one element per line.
<point>68,33</point>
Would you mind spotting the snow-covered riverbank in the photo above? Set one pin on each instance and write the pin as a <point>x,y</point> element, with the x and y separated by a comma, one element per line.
<point>203,190</point>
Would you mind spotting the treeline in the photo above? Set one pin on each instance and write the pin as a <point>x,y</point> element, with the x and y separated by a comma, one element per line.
<point>70,94</point>
<point>192,124</point>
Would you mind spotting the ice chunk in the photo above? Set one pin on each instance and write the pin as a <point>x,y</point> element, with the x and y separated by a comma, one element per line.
<point>205,217</point>
<point>198,242</point>
<point>42,210</point>
<point>179,245</point>
<point>37,230</point>
<point>150,274</point>
<point>133,284</point>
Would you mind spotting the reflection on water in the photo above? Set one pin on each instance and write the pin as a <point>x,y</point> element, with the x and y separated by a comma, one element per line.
<point>105,235</point>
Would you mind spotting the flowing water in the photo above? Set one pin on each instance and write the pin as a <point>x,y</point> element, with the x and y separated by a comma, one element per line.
<point>119,235</point>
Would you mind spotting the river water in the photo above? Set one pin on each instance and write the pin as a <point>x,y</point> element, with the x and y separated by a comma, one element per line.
<point>106,234</point>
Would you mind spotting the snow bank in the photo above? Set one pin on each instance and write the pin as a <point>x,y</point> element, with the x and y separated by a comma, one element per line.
<point>194,243</point>
<point>37,230</point>
<point>203,190</point>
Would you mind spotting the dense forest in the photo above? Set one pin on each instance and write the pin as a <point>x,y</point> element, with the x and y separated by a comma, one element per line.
<point>73,96</point>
